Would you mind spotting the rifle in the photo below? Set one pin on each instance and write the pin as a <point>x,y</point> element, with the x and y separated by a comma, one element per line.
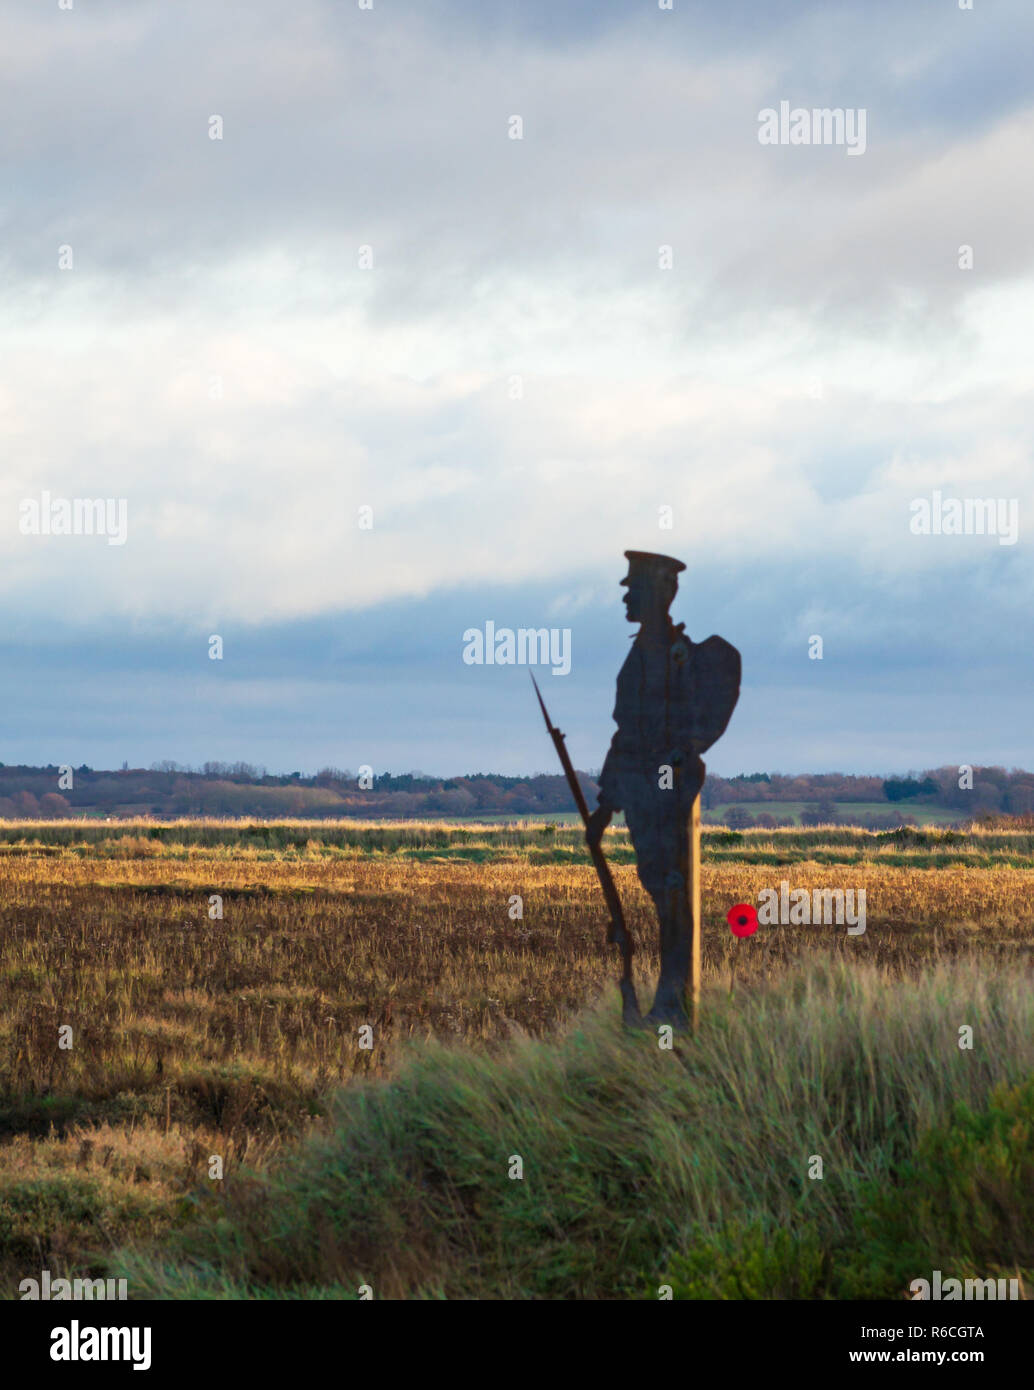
<point>618,932</point>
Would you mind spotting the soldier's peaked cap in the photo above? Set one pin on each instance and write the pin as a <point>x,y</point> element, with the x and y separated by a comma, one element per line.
<point>646,560</point>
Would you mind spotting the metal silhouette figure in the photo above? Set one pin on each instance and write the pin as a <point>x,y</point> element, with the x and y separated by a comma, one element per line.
<point>675,698</point>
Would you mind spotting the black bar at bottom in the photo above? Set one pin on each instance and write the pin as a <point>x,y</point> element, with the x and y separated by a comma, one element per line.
<point>271,1338</point>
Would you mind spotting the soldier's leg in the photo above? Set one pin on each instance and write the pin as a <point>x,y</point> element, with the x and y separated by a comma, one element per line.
<point>676,923</point>
<point>658,827</point>
<point>669,1005</point>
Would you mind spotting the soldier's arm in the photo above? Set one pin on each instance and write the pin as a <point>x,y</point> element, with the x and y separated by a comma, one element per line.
<point>602,816</point>
<point>598,822</point>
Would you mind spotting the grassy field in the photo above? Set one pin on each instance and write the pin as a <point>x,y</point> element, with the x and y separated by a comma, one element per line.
<point>238,1038</point>
<point>846,811</point>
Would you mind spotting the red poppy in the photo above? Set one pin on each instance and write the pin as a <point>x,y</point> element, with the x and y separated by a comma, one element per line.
<point>742,920</point>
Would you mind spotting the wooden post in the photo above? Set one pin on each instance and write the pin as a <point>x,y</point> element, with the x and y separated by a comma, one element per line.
<point>694,908</point>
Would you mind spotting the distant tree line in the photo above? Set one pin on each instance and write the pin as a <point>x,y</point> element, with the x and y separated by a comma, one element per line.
<point>964,792</point>
<point>241,789</point>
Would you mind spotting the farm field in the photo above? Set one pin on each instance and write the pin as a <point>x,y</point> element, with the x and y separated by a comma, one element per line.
<point>197,1037</point>
<point>846,810</point>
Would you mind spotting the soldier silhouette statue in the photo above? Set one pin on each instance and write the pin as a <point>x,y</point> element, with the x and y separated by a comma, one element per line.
<point>674,699</point>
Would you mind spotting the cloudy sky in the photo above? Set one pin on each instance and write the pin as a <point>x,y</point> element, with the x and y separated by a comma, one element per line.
<point>367,294</point>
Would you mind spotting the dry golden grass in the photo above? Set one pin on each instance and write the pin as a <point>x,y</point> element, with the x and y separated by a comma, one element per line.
<point>193,1036</point>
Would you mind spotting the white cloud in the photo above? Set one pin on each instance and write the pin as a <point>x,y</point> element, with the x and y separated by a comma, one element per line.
<point>789,384</point>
